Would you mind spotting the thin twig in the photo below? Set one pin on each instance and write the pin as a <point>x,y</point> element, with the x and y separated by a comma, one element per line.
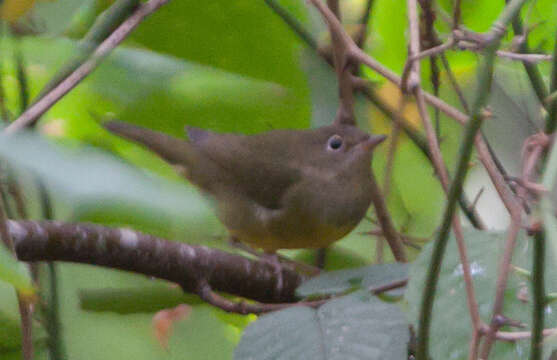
<point>456,14</point>
<point>525,58</point>
<point>473,345</point>
<point>51,305</point>
<point>440,165</point>
<point>391,235</point>
<point>472,46</point>
<point>207,294</point>
<point>39,108</point>
<point>343,68</point>
<point>391,152</point>
<point>394,78</point>
<point>105,24</point>
<point>532,70</point>
<point>365,19</point>
<point>501,284</point>
<point>345,115</point>
<point>528,163</point>
<point>498,180</point>
<point>454,83</point>
<point>356,54</point>
<point>482,94</point>
<point>519,335</point>
<point>414,135</point>
<point>430,40</point>
<point>335,9</point>
<point>436,50</point>
<point>293,23</point>
<point>551,122</point>
<point>538,310</point>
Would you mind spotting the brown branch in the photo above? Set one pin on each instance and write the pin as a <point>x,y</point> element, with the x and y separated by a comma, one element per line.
<point>528,163</point>
<point>188,266</point>
<point>436,50</point>
<point>501,285</point>
<point>391,152</point>
<point>343,68</point>
<point>528,58</point>
<point>197,269</point>
<point>454,84</point>
<point>37,109</point>
<point>456,14</point>
<point>244,308</point>
<point>387,226</point>
<point>335,9</point>
<point>364,86</point>
<point>439,164</point>
<point>519,335</point>
<point>356,54</point>
<point>373,64</point>
<point>345,115</point>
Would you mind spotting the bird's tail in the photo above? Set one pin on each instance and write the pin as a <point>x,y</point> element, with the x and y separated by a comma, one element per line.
<point>171,149</point>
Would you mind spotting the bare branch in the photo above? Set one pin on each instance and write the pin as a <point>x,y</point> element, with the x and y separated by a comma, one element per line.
<point>124,249</point>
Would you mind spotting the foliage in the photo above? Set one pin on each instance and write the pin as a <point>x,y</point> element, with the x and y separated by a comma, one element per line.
<point>236,66</point>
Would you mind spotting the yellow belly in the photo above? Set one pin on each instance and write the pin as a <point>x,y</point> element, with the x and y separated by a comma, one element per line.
<point>313,238</point>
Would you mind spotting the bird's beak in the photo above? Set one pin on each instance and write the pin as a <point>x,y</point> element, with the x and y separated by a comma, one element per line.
<point>372,141</point>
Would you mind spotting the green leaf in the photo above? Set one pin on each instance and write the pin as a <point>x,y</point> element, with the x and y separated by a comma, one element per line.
<point>15,273</point>
<point>10,335</point>
<point>222,34</point>
<point>56,16</point>
<point>337,282</point>
<point>337,257</point>
<point>451,327</point>
<point>86,175</point>
<point>132,300</point>
<point>357,326</point>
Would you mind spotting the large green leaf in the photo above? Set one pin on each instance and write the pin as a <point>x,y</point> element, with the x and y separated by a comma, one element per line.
<point>336,282</point>
<point>10,335</point>
<point>357,326</point>
<point>451,328</point>
<point>88,176</point>
<point>242,36</point>
<point>15,273</point>
<point>131,300</point>
<point>56,16</point>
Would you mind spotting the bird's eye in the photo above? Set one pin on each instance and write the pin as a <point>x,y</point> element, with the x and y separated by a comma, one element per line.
<point>335,142</point>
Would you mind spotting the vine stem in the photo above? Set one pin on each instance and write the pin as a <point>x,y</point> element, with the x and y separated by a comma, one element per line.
<point>439,164</point>
<point>484,85</point>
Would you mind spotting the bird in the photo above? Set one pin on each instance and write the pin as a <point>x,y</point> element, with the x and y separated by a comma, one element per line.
<point>280,189</point>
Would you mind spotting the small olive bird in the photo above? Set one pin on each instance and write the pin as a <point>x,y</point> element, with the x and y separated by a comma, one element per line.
<point>282,189</point>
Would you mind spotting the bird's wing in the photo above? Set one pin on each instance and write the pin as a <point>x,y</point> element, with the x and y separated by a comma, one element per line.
<point>244,166</point>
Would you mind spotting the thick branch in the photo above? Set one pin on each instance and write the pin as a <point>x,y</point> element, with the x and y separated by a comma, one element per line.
<point>189,266</point>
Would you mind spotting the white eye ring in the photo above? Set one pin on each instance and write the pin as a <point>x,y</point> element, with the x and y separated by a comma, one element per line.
<point>335,142</point>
